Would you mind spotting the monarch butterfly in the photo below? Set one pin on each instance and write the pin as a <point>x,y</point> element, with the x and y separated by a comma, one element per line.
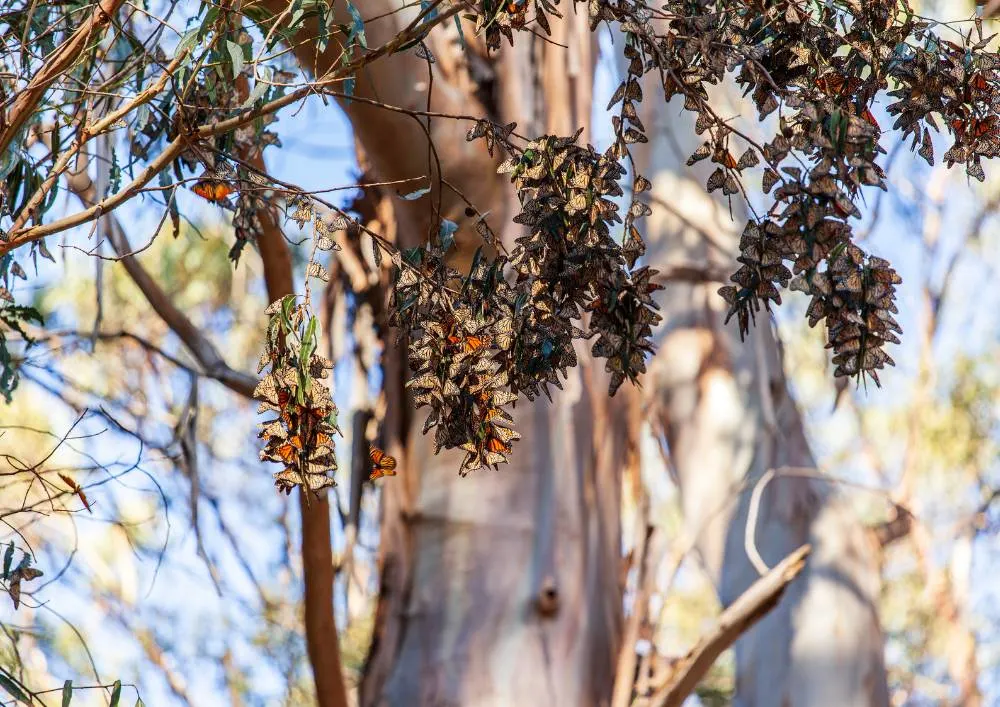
<point>986,126</point>
<point>469,343</point>
<point>717,180</point>
<point>288,453</point>
<point>504,333</point>
<point>213,190</point>
<point>724,157</point>
<point>497,446</point>
<point>492,414</point>
<point>516,9</point>
<point>384,465</point>
<point>870,119</point>
<point>834,83</point>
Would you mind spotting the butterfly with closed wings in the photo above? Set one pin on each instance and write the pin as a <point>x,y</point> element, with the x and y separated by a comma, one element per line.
<point>383,464</point>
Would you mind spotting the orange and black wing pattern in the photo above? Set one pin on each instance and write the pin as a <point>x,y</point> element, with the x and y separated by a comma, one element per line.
<point>382,463</point>
<point>213,190</point>
<point>468,343</point>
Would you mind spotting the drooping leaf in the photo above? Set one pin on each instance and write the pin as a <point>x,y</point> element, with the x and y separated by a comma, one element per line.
<point>357,26</point>
<point>236,56</point>
<point>13,688</point>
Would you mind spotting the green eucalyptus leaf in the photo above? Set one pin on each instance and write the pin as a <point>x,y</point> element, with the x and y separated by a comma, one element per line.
<point>8,557</point>
<point>13,689</point>
<point>236,54</point>
<point>357,26</point>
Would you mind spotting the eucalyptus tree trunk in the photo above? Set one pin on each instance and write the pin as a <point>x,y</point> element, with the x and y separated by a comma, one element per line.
<point>501,588</point>
<point>724,408</point>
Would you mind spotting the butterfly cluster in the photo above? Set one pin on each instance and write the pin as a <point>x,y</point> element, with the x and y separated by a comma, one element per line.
<point>508,327</point>
<point>461,332</point>
<point>820,66</point>
<point>300,437</point>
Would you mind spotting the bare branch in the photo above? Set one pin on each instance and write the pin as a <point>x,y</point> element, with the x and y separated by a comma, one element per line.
<point>742,614</point>
<point>212,363</point>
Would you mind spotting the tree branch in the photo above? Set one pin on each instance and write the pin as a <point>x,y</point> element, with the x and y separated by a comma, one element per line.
<point>175,148</point>
<point>56,64</point>
<point>742,614</point>
<point>212,364</point>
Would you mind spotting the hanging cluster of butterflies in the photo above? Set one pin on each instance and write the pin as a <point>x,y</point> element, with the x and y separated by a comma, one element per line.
<point>457,350</point>
<point>301,436</point>
<point>479,340</point>
<point>824,64</point>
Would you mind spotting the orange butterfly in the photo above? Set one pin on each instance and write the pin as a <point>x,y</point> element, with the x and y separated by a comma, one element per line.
<point>867,116</point>
<point>213,190</point>
<point>497,446</point>
<point>724,157</point>
<point>288,453</point>
<point>986,126</point>
<point>492,414</point>
<point>469,343</point>
<point>384,464</point>
<point>516,11</point>
<point>835,84</point>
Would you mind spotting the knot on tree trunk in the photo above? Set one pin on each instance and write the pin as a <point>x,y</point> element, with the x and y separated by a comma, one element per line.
<point>547,601</point>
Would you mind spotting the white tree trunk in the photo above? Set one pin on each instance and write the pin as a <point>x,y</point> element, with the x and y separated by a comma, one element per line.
<point>724,408</point>
<point>502,588</point>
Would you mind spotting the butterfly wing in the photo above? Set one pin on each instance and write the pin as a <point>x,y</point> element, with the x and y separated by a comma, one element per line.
<point>212,189</point>
<point>382,461</point>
